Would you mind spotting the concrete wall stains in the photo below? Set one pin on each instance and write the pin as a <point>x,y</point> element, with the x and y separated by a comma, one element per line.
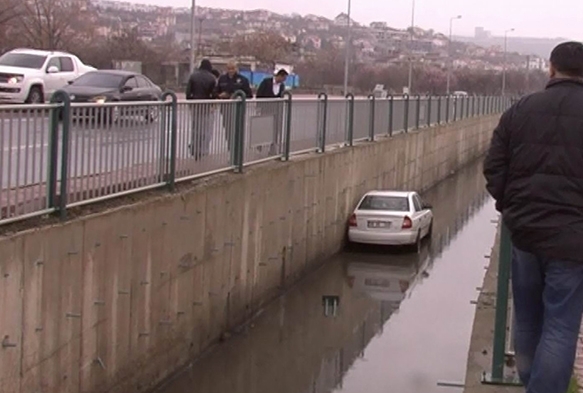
<point>116,301</point>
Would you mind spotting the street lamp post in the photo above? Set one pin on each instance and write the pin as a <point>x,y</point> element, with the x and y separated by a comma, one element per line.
<point>192,34</point>
<point>449,59</point>
<point>347,49</point>
<point>504,63</point>
<point>410,83</point>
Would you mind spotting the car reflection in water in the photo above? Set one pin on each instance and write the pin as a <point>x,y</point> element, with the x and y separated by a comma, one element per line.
<point>388,276</point>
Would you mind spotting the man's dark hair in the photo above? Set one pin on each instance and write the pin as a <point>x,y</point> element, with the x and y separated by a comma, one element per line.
<point>216,72</point>
<point>567,59</point>
<point>206,65</point>
<point>282,72</point>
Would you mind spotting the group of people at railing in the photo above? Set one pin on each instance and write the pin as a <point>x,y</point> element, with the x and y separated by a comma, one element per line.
<point>207,83</point>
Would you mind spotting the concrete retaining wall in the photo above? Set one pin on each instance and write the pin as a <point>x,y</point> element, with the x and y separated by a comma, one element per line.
<point>115,301</point>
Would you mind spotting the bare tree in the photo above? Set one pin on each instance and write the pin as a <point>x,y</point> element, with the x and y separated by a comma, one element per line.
<point>9,11</point>
<point>266,47</point>
<point>54,24</point>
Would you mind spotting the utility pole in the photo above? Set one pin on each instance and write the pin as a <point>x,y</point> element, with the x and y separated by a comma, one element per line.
<point>528,74</point>
<point>192,35</point>
<point>449,59</point>
<point>504,64</point>
<point>347,49</point>
<point>410,83</point>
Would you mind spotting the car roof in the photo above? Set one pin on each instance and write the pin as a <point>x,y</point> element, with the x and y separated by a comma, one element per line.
<point>40,52</point>
<point>116,72</point>
<point>398,194</point>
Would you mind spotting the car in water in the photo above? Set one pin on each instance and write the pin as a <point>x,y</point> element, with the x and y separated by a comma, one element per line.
<point>31,76</point>
<point>392,218</point>
<point>105,88</point>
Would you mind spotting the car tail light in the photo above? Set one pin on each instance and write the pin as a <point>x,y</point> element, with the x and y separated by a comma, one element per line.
<point>407,223</point>
<point>352,221</point>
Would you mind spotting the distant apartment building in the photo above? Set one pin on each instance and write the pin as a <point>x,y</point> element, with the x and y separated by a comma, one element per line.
<point>481,33</point>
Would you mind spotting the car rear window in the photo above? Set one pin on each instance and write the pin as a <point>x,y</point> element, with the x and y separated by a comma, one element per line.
<point>99,79</point>
<point>390,203</point>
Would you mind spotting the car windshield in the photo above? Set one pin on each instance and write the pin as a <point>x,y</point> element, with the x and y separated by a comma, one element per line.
<point>390,203</point>
<point>99,79</point>
<point>22,60</point>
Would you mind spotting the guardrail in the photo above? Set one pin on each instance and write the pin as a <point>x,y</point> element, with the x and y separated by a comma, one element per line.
<point>503,350</point>
<point>62,154</point>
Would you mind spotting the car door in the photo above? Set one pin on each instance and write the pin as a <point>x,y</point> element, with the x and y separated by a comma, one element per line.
<point>68,72</point>
<point>53,81</point>
<point>145,89</point>
<point>418,212</point>
<point>424,213</point>
<point>131,94</point>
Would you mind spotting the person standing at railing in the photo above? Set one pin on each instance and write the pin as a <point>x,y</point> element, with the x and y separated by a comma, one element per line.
<point>227,85</point>
<point>534,171</point>
<point>201,86</point>
<point>273,88</point>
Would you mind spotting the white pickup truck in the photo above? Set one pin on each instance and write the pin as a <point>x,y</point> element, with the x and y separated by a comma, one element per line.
<point>32,76</point>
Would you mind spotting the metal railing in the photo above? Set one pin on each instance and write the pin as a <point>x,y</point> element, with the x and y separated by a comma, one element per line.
<point>503,326</point>
<point>62,154</point>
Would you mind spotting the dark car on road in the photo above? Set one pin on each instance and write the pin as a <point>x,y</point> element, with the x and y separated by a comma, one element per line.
<point>105,88</point>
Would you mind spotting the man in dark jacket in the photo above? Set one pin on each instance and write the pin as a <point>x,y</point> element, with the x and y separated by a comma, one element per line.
<point>273,87</point>
<point>534,171</point>
<point>227,85</point>
<point>201,86</point>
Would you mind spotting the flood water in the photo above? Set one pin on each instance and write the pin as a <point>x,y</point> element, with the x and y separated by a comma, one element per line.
<point>370,320</point>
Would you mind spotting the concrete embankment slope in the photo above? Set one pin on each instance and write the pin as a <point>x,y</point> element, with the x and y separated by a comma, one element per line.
<point>116,301</point>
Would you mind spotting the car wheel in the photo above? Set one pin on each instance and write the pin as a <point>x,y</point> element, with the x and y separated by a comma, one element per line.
<point>430,230</point>
<point>113,115</point>
<point>35,96</point>
<point>417,244</point>
<point>152,114</point>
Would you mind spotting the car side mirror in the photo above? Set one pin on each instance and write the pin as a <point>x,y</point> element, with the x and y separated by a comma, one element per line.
<point>427,206</point>
<point>125,89</point>
<point>70,82</point>
<point>53,70</point>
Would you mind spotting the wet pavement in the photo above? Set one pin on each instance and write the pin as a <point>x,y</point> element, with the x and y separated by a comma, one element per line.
<point>370,320</point>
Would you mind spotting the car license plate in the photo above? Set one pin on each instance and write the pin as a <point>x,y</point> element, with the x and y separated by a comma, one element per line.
<point>379,224</point>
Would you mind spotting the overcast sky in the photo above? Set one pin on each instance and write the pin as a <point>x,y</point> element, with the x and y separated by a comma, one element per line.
<point>533,18</point>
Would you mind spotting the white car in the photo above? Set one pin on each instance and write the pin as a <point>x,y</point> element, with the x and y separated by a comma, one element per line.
<point>390,218</point>
<point>32,76</point>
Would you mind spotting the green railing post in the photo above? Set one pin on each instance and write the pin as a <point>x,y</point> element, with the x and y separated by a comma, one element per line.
<point>455,114</point>
<point>323,99</point>
<point>418,112</point>
<point>439,110</point>
<point>447,103</point>
<point>239,137</point>
<point>371,123</point>
<point>63,97</point>
<point>429,111</point>
<point>497,376</point>
<point>391,114</point>
<point>462,108</point>
<point>350,119</point>
<point>406,111</point>
<point>173,107</point>
<point>288,122</point>
<point>467,107</point>
<point>56,114</point>
<point>473,106</point>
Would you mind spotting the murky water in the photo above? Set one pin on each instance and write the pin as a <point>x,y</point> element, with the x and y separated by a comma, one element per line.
<point>371,320</point>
